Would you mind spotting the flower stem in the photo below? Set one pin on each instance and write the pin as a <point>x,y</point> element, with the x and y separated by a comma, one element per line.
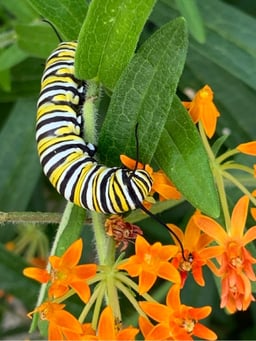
<point>100,236</point>
<point>30,217</point>
<point>238,184</point>
<point>218,177</point>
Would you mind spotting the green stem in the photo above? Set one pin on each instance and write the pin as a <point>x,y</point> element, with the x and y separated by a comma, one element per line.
<point>100,236</point>
<point>238,184</point>
<point>121,277</point>
<point>237,166</point>
<point>97,293</point>
<point>218,177</point>
<point>90,110</point>
<point>130,297</point>
<point>29,217</point>
<point>112,295</point>
<point>98,305</point>
<point>62,226</point>
<point>226,155</point>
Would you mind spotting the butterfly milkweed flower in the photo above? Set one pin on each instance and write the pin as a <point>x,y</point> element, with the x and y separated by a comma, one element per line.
<point>161,183</point>
<point>150,262</point>
<point>202,108</point>
<point>62,324</point>
<point>236,270</point>
<point>176,321</point>
<point>194,242</point>
<point>65,273</point>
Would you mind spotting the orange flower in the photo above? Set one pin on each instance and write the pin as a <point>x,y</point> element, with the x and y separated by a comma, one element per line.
<point>202,108</point>
<point>235,260</point>
<point>194,242</point>
<point>247,148</point>
<point>108,330</point>
<point>150,262</point>
<point>62,324</point>
<point>65,273</point>
<point>161,183</point>
<point>176,321</point>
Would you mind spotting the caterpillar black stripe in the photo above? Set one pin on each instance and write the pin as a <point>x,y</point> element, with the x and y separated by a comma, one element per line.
<point>67,160</point>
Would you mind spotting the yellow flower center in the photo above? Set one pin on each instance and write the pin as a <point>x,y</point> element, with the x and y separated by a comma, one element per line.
<point>206,94</point>
<point>188,325</point>
<point>237,262</point>
<point>148,258</point>
<point>186,266</point>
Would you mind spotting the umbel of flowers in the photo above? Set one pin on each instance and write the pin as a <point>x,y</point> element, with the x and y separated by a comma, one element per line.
<point>222,246</point>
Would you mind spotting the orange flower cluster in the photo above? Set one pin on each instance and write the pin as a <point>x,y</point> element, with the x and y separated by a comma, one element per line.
<point>176,321</point>
<point>65,273</point>
<point>64,326</point>
<point>235,260</point>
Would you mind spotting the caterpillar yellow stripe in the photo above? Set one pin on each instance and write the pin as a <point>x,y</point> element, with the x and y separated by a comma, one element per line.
<point>67,160</point>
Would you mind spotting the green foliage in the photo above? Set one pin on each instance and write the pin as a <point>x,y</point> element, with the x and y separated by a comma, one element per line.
<point>14,282</point>
<point>66,15</point>
<point>144,78</point>
<point>144,95</point>
<point>108,38</point>
<point>180,148</point>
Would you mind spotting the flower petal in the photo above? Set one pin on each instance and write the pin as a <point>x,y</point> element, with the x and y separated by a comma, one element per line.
<point>146,281</point>
<point>247,148</point>
<point>156,311</point>
<point>203,332</point>
<point>173,297</point>
<point>145,325</point>
<point>106,327</point>
<point>239,216</point>
<point>169,272</point>
<point>82,289</point>
<point>85,271</point>
<point>40,275</point>
<point>250,235</point>
<point>128,333</point>
<point>212,228</point>
<point>54,332</point>
<point>73,254</point>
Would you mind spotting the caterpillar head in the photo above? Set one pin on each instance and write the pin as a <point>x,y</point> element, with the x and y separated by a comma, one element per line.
<point>139,184</point>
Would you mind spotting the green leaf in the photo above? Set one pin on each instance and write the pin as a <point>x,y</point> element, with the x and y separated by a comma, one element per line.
<point>25,80</point>
<point>21,10</point>
<point>108,38</point>
<point>7,38</point>
<point>73,226</point>
<point>37,39</point>
<point>230,33</point>
<point>189,9</point>
<point>12,280</point>
<point>11,56</point>
<point>20,164</point>
<point>65,15</point>
<point>144,95</point>
<point>181,155</point>
<point>5,82</point>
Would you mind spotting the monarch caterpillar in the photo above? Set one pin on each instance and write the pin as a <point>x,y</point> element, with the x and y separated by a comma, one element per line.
<point>67,160</point>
